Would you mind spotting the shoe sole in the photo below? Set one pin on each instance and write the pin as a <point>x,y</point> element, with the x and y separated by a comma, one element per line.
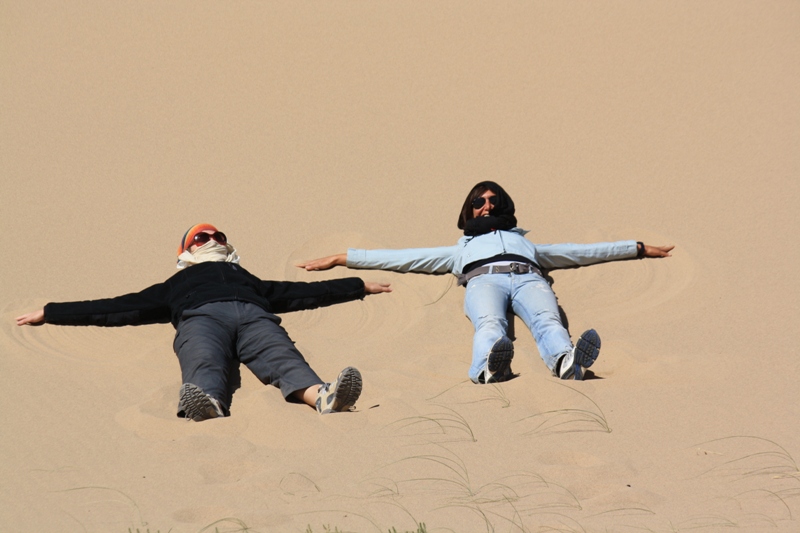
<point>586,351</point>
<point>499,361</point>
<point>346,392</point>
<point>196,403</point>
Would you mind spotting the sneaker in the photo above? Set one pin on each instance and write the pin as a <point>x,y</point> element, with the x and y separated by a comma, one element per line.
<point>498,365</point>
<point>342,394</point>
<point>198,405</point>
<point>581,357</point>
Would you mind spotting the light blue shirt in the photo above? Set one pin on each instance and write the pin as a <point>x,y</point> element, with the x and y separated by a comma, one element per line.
<point>470,249</point>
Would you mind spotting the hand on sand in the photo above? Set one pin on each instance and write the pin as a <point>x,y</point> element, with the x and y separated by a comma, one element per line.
<point>35,318</point>
<point>371,287</point>
<point>324,263</point>
<point>658,251</point>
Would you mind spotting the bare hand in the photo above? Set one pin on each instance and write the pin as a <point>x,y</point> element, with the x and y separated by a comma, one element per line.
<point>34,318</point>
<point>371,287</point>
<point>325,263</point>
<point>658,251</point>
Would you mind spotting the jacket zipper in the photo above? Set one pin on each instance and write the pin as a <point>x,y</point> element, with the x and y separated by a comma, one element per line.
<point>225,280</point>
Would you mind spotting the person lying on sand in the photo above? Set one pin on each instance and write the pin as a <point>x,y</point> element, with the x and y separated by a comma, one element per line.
<point>502,270</point>
<point>223,315</point>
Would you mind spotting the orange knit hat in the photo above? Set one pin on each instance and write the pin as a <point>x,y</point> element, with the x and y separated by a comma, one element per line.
<point>188,237</point>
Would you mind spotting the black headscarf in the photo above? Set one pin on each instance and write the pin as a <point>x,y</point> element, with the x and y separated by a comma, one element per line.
<point>501,217</point>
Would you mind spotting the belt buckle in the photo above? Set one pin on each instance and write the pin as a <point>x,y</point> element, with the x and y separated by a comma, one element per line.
<point>515,268</point>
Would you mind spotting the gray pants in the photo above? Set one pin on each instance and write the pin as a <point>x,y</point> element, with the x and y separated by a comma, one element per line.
<point>213,339</point>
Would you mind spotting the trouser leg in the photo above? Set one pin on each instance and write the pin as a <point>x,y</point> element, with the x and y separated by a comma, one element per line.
<point>485,303</point>
<point>205,346</point>
<point>265,347</point>
<point>535,303</point>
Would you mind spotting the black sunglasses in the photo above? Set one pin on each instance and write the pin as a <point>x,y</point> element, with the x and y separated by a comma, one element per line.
<point>478,202</point>
<point>203,237</point>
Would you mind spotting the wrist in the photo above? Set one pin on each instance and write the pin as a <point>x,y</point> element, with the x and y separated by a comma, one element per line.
<point>639,249</point>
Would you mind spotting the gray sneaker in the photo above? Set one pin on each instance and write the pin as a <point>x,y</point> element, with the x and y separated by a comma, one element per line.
<point>342,394</point>
<point>582,356</point>
<point>198,405</point>
<point>498,364</point>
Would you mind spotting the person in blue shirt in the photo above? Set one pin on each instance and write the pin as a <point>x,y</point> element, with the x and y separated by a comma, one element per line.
<point>502,270</point>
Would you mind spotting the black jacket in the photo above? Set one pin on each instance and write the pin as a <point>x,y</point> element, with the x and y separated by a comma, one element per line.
<point>201,284</point>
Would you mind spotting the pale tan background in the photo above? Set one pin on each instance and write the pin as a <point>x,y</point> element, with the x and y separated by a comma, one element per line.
<point>303,128</point>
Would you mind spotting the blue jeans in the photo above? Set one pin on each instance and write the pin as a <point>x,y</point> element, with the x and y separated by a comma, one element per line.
<point>487,301</point>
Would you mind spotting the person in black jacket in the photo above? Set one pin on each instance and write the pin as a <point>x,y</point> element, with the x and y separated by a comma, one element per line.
<point>223,315</point>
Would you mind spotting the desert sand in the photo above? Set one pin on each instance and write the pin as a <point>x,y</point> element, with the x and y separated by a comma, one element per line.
<point>303,128</point>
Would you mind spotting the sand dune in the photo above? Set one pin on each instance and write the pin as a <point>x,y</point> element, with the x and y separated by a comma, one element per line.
<point>302,129</point>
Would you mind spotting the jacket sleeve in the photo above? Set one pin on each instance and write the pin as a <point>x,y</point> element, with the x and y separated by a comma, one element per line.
<point>551,256</point>
<point>286,296</point>
<point>149,306</point>
<point>428,260</point>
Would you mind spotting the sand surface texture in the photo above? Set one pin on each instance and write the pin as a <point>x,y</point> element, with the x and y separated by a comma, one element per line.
<point>303,128</point>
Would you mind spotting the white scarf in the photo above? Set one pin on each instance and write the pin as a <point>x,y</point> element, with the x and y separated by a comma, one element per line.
<point>210,251</point>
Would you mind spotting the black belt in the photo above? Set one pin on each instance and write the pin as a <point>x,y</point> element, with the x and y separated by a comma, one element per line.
<point>513,268</point>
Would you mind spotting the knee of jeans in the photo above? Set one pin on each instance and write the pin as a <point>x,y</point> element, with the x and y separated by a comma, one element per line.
<point>491,322</point>
<point>546,315</point>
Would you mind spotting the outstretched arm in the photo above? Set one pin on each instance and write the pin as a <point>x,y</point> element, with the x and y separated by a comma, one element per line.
<point>657,251</point>
<point>426,260</point>
<point>567,255</point>
<point>33,318</point>
<point>150,306</point>
<point>324,263</point>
